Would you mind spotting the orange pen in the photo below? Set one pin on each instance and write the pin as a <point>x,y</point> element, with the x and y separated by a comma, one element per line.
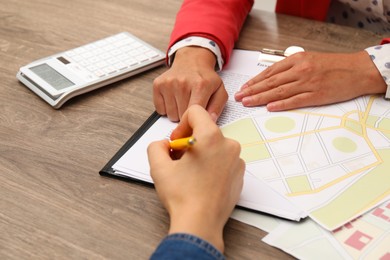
<point>182,143</point>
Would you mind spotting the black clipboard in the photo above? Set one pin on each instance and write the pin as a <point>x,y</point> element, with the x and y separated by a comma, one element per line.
<point>108,171</point>
<point>265,204</point>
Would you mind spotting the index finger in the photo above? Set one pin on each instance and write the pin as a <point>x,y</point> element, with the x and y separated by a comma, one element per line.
<point>272,70</point>
<point>196,117</point>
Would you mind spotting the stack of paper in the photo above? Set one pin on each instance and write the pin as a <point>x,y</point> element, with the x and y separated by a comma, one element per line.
<point>331,163</point>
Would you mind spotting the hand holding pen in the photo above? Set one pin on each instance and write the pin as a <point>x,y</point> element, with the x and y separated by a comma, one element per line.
<point>182,143</point>
<point>200,189</point>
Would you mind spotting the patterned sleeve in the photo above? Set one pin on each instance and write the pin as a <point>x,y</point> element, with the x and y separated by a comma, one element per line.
<point>380,55</point>
<point>197,41</point>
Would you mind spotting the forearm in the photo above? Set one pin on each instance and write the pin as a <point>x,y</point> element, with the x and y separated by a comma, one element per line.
<point>218,20</point>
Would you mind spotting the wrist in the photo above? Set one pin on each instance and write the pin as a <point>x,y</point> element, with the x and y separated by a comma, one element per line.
<point>196,55</point>
<point>199,224</point>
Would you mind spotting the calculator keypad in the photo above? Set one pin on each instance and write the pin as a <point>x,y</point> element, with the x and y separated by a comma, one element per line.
<point>110,55</point>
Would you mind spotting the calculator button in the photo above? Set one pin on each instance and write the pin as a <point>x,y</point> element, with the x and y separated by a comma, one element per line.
<point>151,54</point>
<point>90,47</point>
<point>87,55</point>
<point>93,60</point>
<point>134,53</point>
<point>77,58</point>
<point>119,44</point>
<point>70,53</point>
<point>101,64</point>
<point>79,50</point>
<point>110,55</point>
<point>142,58</point>
<point>100,43</point>
<point>97,52</point>
<point>127,41</point>
<point>104,56</point>
<point>120,66</point>
<point>108,47</point>
<point>83,63</point>
<point>136,45</point>
<point>115,52</point>
<point>112,60</point>
<point>109,69</point>
<point>99,73</point>
<point>120,36</point>
<point>111,40</point>
<point>143,49</point>
<point>125,48</point>
<point>92,68</point>
<point>131,62</point>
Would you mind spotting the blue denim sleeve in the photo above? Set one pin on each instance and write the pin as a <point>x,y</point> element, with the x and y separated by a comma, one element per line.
<point>185,246</point>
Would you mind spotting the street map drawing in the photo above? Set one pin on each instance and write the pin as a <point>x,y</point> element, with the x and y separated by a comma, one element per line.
<point>331,161</point>
<point>367,237</point>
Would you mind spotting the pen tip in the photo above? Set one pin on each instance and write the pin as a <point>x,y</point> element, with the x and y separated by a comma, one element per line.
<point>192,141</point>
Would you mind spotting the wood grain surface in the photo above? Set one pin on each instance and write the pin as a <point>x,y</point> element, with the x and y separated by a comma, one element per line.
<point>53,202</point>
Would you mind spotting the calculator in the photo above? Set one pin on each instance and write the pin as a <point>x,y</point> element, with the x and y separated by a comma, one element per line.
<point>59,77</point>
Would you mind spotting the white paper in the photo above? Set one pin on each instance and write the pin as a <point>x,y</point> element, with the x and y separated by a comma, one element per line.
<point>256,195</point>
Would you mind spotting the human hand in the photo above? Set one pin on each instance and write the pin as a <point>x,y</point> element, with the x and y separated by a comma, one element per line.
<point>311,79</point>
<point>200,189</point>
<point>190,80</point>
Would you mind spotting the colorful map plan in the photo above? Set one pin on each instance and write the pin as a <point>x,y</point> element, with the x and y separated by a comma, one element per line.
<point>331,161</point>
<point>367,237</point>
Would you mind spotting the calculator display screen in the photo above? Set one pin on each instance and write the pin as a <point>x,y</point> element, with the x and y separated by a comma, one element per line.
<point>51,76</point>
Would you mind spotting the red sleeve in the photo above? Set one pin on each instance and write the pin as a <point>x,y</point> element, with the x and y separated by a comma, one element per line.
<point>385,41</point>
<point>316,10</point>
<point>218,20</point>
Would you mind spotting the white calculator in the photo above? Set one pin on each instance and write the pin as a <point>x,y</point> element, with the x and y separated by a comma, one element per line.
<point>62,76</point>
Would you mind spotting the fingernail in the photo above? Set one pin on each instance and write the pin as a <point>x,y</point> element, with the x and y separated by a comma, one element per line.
<point>214,117</point>
<point>271,106</point>
<point>238,96</point>
<point>246,101</point>
<point>244,86</point>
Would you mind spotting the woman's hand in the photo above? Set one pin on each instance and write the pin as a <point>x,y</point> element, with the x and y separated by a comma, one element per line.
<point>312,79</point>
<point>190,80</point>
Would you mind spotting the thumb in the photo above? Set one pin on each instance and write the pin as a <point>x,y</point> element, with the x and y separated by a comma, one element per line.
<point>158,153</point>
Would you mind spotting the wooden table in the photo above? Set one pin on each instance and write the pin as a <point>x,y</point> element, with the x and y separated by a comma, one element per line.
<point>53,202</point>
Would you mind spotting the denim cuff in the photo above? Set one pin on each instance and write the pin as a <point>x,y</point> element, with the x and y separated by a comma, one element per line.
<point>186,246</point>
